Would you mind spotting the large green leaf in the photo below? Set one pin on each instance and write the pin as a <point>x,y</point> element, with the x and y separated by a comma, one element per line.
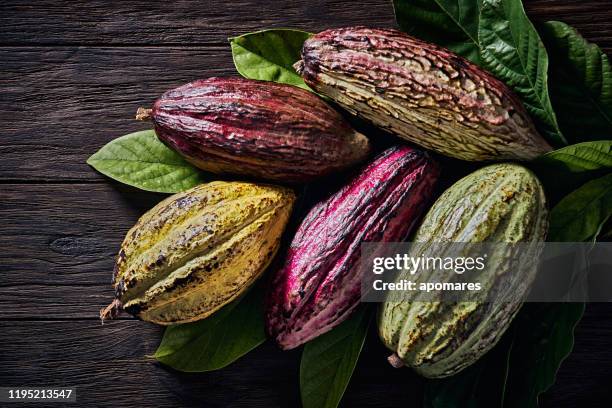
<point>562,171</point>
<point>141,160</point>
<point>218,340</point>
<point>580,83</point>
<point>512,50</point>
<point>580,215</point>
<point>329,360</point>
<point>544,339</point>
<point>269,55</point>
<point>450,23</point>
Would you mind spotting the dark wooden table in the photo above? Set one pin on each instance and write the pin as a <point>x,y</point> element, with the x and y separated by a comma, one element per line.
<point>72,76</point>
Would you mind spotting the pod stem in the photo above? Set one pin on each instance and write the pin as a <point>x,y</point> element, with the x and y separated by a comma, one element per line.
<point>111,311</point>
<point>143,114</point>
<point>395,361</point>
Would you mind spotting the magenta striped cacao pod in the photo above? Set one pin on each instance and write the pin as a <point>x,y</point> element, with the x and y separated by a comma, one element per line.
<point>420,92</point>
<point>255,128</point>
<point>320,283</point>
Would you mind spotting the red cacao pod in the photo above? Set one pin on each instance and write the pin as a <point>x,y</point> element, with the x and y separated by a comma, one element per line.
<point>255,128</point>
<point>320,283</point>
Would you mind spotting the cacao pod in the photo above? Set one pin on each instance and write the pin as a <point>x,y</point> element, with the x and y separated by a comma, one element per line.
<point>320,283</point>
<point>420,92</point>
<point>502,203</point>
<point>255,128</point>
<point>198,250</point>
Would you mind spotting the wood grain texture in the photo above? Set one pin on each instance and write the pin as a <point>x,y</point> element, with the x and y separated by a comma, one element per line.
<point>71,93</point>
<point>59,105</point>
<point>109,367</point>
<point>177,22</point>
<point>210,22</point>
<point>65,234</point>
<point>584,377</point>
<point>73,74</point>
<point>593,18</point>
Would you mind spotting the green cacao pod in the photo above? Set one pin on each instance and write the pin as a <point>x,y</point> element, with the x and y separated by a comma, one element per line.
<point>198,250</point>
<point>420,92</point>
<point>501,203</point>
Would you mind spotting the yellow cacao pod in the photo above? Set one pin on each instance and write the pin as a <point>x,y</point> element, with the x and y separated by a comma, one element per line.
<point>198,250</point>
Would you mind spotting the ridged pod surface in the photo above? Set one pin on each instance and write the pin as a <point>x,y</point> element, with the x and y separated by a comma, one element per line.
<point>319,285</point>
<point>502,203</point>
<point>420,92</point>
<point>255,128</point>
<point>198,250</point>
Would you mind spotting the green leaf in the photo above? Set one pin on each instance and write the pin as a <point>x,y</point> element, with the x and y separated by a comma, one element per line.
<point>450,23</point>
<point>329,360</point>
<point>562,171</point>
<point>580,215</point>
<point>580,83</point>
<point>581,157</point>
<point>141,160</point>
<point>511,49</point>
<point>218,340</point>
<point>545,337</point>
<point>269,55</point>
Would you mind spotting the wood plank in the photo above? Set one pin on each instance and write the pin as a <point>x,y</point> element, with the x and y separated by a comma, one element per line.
<point>108,366</point>
<point>65,234</point>
<point>176,22</point>
<point>196,22</point>
<point>593,18</point>
<point>60,301</point>
<point>59,105</point>
<point>584,377</point>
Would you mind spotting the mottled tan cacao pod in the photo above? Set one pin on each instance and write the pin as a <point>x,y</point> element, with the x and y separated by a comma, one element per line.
<point>420,92</point>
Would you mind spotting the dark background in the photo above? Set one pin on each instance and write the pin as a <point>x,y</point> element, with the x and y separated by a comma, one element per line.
<point>72,76</point>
